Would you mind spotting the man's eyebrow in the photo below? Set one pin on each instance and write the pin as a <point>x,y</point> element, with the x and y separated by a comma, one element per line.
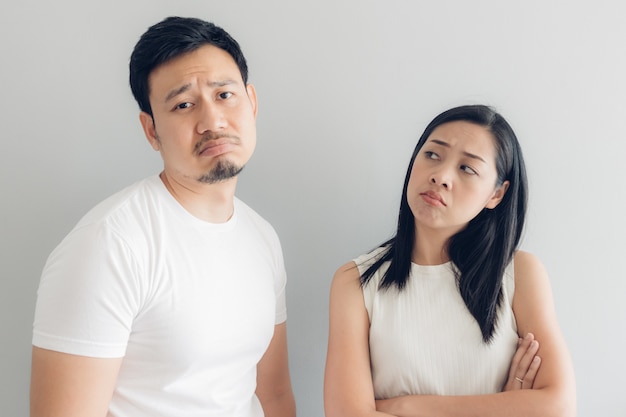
<point>177,91</point>
<point>447,145</point>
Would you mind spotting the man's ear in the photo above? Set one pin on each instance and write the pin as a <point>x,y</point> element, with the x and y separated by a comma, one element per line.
<point>147,123</point>
<point>252,96</point>
<point>497,196</point>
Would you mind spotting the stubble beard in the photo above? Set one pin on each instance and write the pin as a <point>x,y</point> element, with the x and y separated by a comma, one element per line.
<point>222,171</point>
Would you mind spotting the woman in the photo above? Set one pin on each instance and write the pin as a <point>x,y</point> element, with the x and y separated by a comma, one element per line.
<point>444,318</point>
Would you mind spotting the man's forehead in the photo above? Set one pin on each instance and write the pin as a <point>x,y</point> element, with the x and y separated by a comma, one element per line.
<point>209,65</point>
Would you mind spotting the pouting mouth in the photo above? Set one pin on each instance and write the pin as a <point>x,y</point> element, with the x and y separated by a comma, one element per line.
<point>212,139</point>
<point>434,196</point>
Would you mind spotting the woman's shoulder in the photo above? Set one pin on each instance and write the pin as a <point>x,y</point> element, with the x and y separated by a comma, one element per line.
<point>527,263</point>
<point>347,273</point>
<point>371,256</point>
<point>531,278</point>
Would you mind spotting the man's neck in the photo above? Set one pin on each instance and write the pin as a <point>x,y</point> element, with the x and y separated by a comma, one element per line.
<point>212,203</point>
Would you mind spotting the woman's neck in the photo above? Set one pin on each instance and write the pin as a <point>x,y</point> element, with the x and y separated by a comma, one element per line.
<point>430,247</point>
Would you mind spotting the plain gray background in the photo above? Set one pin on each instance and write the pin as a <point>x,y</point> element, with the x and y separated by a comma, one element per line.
<point>345,90</point>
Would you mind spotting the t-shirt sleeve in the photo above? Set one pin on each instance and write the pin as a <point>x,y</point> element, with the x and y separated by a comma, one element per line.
<point>280,284</point>
<point>88,295</point>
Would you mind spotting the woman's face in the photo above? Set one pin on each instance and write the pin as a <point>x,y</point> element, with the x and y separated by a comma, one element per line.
<point>454,177</point>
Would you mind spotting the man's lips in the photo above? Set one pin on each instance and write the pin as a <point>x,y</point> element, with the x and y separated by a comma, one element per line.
<point>431,197</point>
<point>208,144</point>
<point>213,145</point>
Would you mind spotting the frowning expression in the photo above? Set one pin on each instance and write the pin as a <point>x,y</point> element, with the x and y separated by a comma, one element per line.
<point>454,177</point>
<point>203,121</point>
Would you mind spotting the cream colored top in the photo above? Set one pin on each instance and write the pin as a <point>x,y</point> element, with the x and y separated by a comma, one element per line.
<point>424,340</point>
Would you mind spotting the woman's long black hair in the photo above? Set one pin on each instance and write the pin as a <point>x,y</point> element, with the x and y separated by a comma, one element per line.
<point>483,249</point>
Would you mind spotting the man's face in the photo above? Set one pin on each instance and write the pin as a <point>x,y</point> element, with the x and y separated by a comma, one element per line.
<point>204,117</point>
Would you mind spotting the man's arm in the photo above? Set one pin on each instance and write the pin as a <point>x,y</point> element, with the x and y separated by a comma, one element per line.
<point>64,385</point>
<point>273,380</point>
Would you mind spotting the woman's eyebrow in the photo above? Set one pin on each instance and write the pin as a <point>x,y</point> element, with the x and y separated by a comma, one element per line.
<point>468,154</point>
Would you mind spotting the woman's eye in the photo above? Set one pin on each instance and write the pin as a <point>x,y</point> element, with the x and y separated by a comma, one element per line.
<point>184,105</point>
<point>431,155</point>
<point>225,95</point>
<point>468,170</point>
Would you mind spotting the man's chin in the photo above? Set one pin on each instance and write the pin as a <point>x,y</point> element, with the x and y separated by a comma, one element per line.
<point>222,172</point>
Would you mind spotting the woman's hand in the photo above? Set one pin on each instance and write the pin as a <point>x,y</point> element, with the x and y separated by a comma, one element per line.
<point>524,365</point>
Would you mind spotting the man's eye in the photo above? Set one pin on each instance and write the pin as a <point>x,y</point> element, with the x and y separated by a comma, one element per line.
<point>184,105</point>
<point>225,95</point>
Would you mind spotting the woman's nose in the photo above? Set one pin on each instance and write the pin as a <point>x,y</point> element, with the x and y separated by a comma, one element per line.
<point>441,178</point>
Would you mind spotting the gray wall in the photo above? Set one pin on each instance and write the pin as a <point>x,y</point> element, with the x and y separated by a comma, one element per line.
<point>345,89</point>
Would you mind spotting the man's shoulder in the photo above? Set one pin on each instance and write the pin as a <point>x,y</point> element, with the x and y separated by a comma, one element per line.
<point>245,213</point>
<point>243,209</point>
<point>129,204</point>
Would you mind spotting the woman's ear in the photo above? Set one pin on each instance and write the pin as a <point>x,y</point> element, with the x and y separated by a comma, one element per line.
<point>497,196</point>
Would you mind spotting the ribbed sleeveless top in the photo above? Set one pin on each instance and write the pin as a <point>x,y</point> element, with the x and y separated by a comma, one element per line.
<point>423,339</point>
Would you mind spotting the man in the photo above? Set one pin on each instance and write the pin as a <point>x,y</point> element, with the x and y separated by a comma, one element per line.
<point>168,298</point>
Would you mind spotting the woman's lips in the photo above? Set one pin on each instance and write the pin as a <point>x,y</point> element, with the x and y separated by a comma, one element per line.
<point>433,198</point>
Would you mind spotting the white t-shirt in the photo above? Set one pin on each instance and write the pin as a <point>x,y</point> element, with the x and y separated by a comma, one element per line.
<point>424,340</point>
<point>191,306</point>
